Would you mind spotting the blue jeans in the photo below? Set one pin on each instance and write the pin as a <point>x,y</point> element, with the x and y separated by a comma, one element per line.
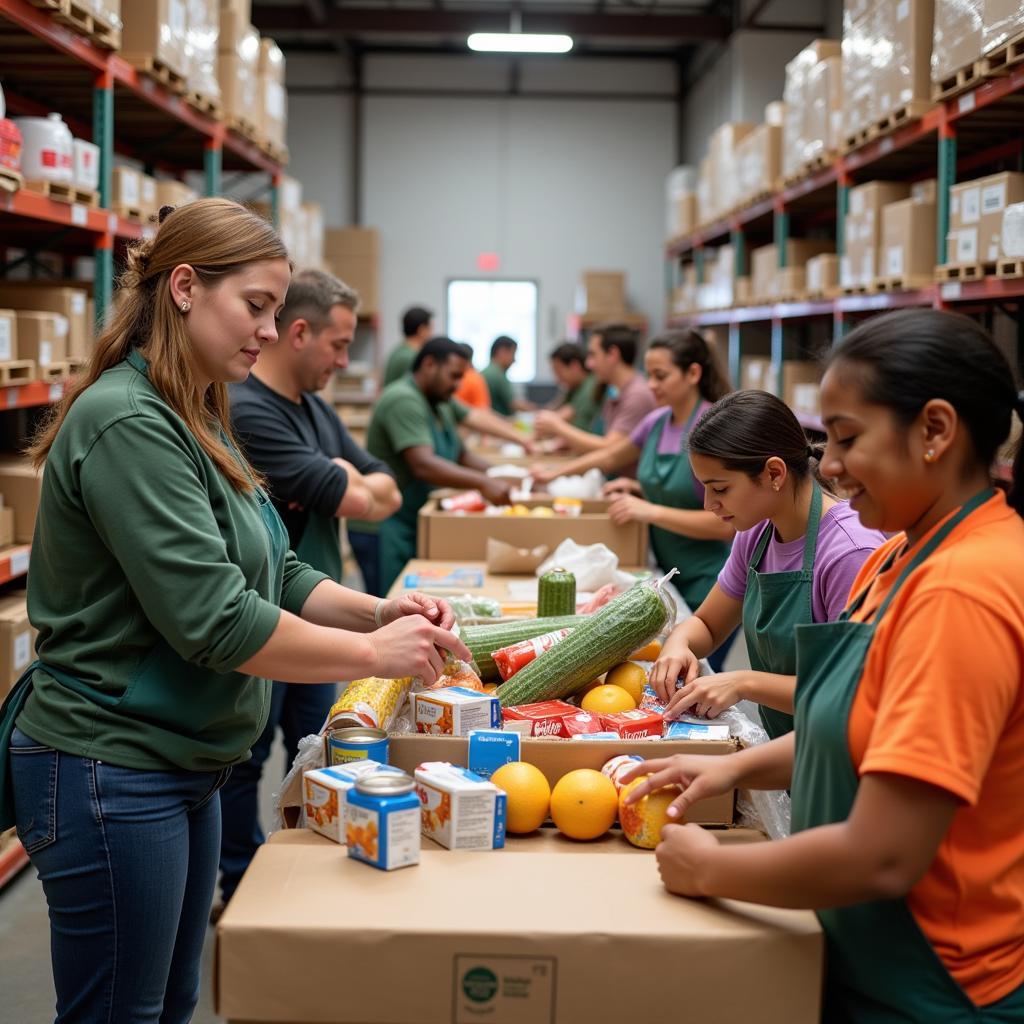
<point>366,548</point>
<point>299,710</point>
<point>128,862</point>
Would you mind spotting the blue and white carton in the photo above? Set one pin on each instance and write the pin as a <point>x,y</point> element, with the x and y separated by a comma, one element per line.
<point>460,810</point>
<point>491,749</point>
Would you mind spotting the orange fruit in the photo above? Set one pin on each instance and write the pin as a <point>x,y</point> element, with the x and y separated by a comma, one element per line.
<point>643,821</point>
<point>583,804</point>
<point>529,795</point>
<point>631,677</point>
<point>606,700</point>
<point>586,689</point>
<point>649,652</point>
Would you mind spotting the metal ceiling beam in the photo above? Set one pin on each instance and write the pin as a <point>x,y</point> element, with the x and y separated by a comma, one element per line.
<point>449,49</point>
<point>277,20</point>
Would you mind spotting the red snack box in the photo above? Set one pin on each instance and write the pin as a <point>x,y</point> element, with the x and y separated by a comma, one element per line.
<point>546,717</point>
<point>581,723</point>
<point>635,725</point>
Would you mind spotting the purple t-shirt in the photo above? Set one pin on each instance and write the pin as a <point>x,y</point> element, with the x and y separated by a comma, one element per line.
<point>843,547</point>
<point>671,440</point>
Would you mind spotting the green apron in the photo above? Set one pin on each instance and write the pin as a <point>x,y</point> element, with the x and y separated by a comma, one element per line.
<point>398,534</point>
<point>163,664</point>
<point>667,479</point>
<point>881,967</point>
<point>773,606</point>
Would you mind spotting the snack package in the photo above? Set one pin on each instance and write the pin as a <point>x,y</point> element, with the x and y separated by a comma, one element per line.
<point>512,658</point>
<point>582,724</point>
<point>372,702</point>
<point>467,501</point>
<point>457,673</point>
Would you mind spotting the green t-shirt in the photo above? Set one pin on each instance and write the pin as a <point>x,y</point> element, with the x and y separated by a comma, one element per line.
<point>500,388</point>
<point>401,419</point>
<point>585,406</point>
<point>399,363</point>
<point>151,582</point>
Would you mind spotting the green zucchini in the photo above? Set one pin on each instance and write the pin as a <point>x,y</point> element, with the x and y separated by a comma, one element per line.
<point>482,641</point>
<point>602,640</point>
<point>556,593</point>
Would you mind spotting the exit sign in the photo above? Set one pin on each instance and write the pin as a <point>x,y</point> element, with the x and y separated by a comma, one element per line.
<point>488,261</point>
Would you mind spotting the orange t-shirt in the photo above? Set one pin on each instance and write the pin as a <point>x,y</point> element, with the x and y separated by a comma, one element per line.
<point>473,390</point>
<point>941,700</point>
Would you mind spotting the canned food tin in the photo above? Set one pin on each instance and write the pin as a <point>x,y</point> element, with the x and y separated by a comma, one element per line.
<point>357,744</point>
<point>383,821</point>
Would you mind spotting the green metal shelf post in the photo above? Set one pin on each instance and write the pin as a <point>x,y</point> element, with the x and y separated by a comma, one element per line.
<point>103,136</point>
<point>842,209</point>
<point>778,352</point>
<point>738,242</point>
<point>213,159</point>
<point>735,353</point>
<point>780,224</point>
<point>698,262</point>
<point>946,179</point>
<point>275,201</point>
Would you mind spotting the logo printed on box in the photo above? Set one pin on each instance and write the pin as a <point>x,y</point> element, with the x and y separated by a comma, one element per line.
<point>504,989</point>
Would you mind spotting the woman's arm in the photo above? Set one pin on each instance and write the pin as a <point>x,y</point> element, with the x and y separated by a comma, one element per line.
<point>693,523</point>
<point>621,452</point>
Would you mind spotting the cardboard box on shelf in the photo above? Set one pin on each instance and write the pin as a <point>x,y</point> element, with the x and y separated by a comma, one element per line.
<point>6,526</point>
<point>237,70</point>
<point>148,196</point>
<point>758,158</point>
<point>796,374</point>
<point>822,274</point>
<point>809,91</point>
<point>925,191</point>
<point>957,37</point>
<point>126,188</point>
<point>20,485</point>
<point>69,302</point>
<point>764,269</point>
<point>156,29</point>
<point>601,293</point>
<point>863,230</point>
<point>908,242</point>
<point>863,67</point>
<point>533,958</point>
<point>791,283</point>
<point>451,535</point>
<point>906,28</point>
<point>201,46</point>
<point>42,337</point>
<point>756,373</point>
<point>8,334</point>
<point>17,639</point>
<point>722,152</point>
<point>1003,21</point>
<point>997,192</point>
<point>272,99</point>
<point>173,193</point>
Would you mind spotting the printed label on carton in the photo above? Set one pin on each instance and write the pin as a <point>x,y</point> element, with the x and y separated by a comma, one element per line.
<point>22,650</point>
<point>5,339</point>
<point>970,205</point>
<point>993,197</point>
<point>966,245</point>
<point>490,749</point>
<point>78,303</point>
<point>894,260</point>
<point>45,353</point>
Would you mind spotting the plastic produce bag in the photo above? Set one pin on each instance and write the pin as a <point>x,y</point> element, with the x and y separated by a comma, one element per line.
<point>587,486</point>
<point>593,565</point>
<point>474,609</point>
<point>312,754</point>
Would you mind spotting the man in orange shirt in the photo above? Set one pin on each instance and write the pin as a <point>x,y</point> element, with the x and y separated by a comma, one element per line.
<point>473,389</point>
<point>908,749</point>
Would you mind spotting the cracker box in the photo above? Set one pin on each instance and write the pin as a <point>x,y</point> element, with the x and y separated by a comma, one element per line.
<point>460,810</point>
<point>325,795</point>
<point>639,724</point>
<point>455,711</point>
<point>546,717</point>
<point>491,749</point>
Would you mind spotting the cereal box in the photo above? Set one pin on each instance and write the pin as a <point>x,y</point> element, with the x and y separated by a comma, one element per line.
<point>491,749</point>
<point>455,711</point>
<point>460,810</point>
<point>635,725</point>
<point>547,717</point>
<point>325,792</point>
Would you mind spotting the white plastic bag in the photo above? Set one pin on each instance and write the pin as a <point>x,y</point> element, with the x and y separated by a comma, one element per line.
<point>586,487</point>
<point>593,565</point>
<point>312,754</point>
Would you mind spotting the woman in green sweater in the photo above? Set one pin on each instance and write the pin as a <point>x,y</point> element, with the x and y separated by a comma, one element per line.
<point>165,598</point>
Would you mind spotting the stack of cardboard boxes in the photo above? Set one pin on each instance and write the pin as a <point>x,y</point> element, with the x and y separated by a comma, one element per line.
<point>271,96</point>
<point>862,232</point>
<point>45,330</point>
<point>770,282</point>
<point>601,295</point>
<point>238,60</point>
<point>906,258</point>
<point>799,384</point>
<point>976,219</point>
<point>813,107</point>
<point>17,638</point>
<point>353,254</point>
<point>202,30</point>
<point>680,202</point>
<point>155,35</point>
<point>965,31</point>
<point>758,157</point>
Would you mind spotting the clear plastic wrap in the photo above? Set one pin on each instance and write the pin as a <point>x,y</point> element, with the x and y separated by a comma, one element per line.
<point>312,754</point>
<point>474,609</point>
<point>1013,231</point>
<point>957,37</point>
<point>1002,23</point>
<point>201,47</point>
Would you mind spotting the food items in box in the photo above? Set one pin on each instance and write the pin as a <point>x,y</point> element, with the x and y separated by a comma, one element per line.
<point>460,810</point>
<point>382,826</point>
<point>693,730</point>
<point>607,699</point>
<point>567,507</point>
<point>631,677</point>
<point>650,701</point>
<point>457,673</point>
<point>455,711</point>
<point>604,736</point>
<point>584,804</point>
<point>546,718</point>
<point>643,821</point>
<point>649,652</point>
<point>594,646</point>
<point>528,793</point>
<point>516,656</point>
<point>491,749</point>
<point>344,745</point>
<point>325,792</point>
<point>481,640</point>
<point>371,702</point>
<point>583,723</point>
<point>556,593</point>
<point>617,766</point>
<point>635,725</point>
<point>467,501</point>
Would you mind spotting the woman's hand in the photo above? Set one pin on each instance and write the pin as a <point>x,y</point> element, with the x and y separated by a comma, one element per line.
<point>680,854</point>
<point>621,485</point>
<point>548,424</point>
<point>436,609</point>
<point>543,475</point>
<point>628,508</point>
<point>708,696</point>
<point>697,775</point>
<point>413,646</point>
<point>675,662</point>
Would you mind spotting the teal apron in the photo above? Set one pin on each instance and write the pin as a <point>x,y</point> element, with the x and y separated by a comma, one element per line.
<point>881,967</point>
<point>163,664</point>
<point>398,534</point>
<point>774,605</point>
<point>667,479</point>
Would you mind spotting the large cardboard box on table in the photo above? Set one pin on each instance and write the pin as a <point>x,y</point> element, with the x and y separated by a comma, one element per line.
<point>17,639</point>
<point>513,939</point>
<point>71,303</point>
<point>156,29</point>
<point>21,484</point>
<point>451,535</point>
<point>43,338</point>
<point>354,255</point>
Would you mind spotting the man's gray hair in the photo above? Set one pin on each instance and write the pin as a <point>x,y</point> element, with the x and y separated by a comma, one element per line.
<point>312,295</point>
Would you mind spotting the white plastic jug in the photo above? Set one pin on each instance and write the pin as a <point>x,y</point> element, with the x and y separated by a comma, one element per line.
<point>47,149</point>
<point>87,165</point>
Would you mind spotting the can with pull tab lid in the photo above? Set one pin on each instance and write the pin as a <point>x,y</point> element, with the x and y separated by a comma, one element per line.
<point>383,821</point>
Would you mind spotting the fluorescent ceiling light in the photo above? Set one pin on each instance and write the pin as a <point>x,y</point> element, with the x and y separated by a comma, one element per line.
<point>519,42</point>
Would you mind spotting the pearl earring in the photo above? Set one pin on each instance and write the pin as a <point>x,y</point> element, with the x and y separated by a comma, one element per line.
<point>929,456</point>
<point>186,306</point>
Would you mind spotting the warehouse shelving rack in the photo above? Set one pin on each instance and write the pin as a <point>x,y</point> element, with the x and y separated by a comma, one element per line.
<point>949,142</point>
<point>46,66</point>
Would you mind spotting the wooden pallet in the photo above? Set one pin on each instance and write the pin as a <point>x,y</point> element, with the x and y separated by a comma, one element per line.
<point>63,368</point>
<point>964,271</point>
<point>793,297</point>
<point>62,192</point>
<point>127,212</point>
<point>901,284</point>
<point>825,294</point>
<point>242,127</point>
<point>807,168</point>
<point>205,105</point>
<point>17,371</point>
<point>47,5</point>
<point>1010,268</point>
<point>153,67</point>
<point>856,289</point>
<point>886,125</point>
<point>959,81</point>
<point>1003,59</point>
<point>10,181</point>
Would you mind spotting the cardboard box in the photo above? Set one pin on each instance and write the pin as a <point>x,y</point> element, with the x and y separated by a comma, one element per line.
<point>863,230</point>
<point>6,526</point>
<point>822,274</point>
<point>70,303</point>
<point>126,188</point>
<point>797,373</point>
<point>170,192</point>
<point>449,535</point>
<point>201,47</point>
<point>271,99</point>
<point>17,639</point>
<point>601,293</point>
<point>237,64</point>
<point>997,192</point>
<point>8,334</point>
<point>533,956</point>
<point>1003,20</point>
<point>908,242</point>
<point>812,88</point>
<point>455,711</point>
<point>156,28</point>
<point>21,485</point>
<point>864,64</point>
<point>764,269</point>
<point>905,30</point>
<point>353,255</point>
<point>148,197</point>
<point>755,373</point>
<point>42,337</point>
<point>925,191</point>
<point>957,38</point>
<point>722,153</point>
<point>758,161</point>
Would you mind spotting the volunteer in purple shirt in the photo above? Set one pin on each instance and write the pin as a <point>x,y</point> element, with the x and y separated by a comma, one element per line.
<point>793,562</point>
<point>684,380</point>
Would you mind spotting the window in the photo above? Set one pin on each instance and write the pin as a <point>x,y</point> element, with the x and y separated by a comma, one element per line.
<point>480,311</point>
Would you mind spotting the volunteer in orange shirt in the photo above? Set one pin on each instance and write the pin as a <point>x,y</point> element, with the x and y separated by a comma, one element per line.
<point>473,390</point>
<point>908,749</point>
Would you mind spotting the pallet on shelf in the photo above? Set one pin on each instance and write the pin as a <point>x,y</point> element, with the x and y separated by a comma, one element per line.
<point>901,284</point>
<point>241,126</point>
<point>824,294</point>
<point>1010,268</point>
<point>886,125</point>
<point>127,212</point>
<point>64,368</point>
<point>205,104</point>
<point>151,66</point>
<point>1003,59</point>
<point>10,181</point>
<point>46,5</point>
<point>965,271</point>
<point>276,152</point>
<point>62,192</point>
<point>856,289</point>
<point>17,371</point>
<point>806,169</point>
<point>961,80</point>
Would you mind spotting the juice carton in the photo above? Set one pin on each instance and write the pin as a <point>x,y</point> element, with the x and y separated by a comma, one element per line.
<point>383,821</point>
<point>325,792</point>
<point>460,810</point>
<point>546,717</point>
<point>635,725</point>
<point>489,749</point>
<point>455,711</point>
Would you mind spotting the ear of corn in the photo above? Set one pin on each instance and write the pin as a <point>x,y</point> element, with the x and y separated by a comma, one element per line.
<point>483,640</point>
<point>599,642</point>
